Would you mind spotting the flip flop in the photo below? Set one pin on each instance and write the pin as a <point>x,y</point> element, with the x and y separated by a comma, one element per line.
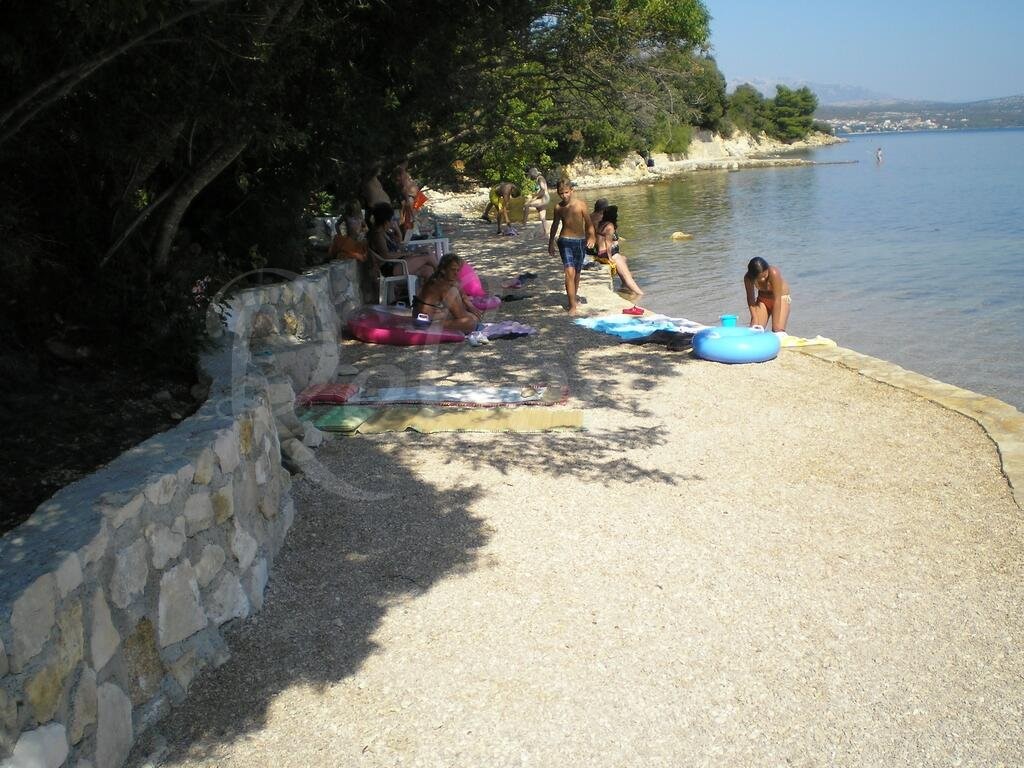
<point>634,310</point>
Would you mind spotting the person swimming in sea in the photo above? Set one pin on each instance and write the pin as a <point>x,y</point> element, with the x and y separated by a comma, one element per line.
<point>767,295</point>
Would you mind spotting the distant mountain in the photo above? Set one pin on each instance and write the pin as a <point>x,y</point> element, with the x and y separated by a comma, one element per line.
<point>827,93</point>
<point>897,115</point>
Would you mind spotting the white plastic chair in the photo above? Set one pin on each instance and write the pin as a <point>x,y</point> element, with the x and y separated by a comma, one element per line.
<point>386,284</point>
<point>441,245</point>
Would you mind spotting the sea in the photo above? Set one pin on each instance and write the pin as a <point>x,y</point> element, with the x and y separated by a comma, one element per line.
<point>917,258</point>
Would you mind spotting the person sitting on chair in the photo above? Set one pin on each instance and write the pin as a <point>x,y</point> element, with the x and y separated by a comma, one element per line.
<point>440,298</point>
<point>420,262</point>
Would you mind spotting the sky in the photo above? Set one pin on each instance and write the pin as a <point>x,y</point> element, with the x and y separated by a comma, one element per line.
<point>936,50</point>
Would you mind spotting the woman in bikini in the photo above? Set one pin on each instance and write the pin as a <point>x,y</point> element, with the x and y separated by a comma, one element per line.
<point>440,298</point>
<point>767,294</point>
<point>608,249</point>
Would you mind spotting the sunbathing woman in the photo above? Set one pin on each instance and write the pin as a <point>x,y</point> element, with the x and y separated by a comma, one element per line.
<point>420,262</point>
<point>772,299</point>
<point>608,248</point>
<point>441,298</point>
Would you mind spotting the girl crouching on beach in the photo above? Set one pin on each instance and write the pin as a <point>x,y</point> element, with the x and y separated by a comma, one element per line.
<point>441,298</point>
<point>608,249</point>
<point>767,294</point>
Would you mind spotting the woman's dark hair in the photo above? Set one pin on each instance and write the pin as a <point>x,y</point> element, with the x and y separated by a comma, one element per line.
<point>611,215</point>
<point>756,266</point>
<point>381,213</point>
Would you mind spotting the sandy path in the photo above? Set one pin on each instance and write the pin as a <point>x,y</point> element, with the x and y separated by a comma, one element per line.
<point>705,576</point>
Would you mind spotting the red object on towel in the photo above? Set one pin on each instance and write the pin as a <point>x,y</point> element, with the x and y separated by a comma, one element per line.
<point>333,394</point>
<point>634,310</point>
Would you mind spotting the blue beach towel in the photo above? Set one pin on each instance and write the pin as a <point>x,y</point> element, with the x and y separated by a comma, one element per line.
<point>628,327</point>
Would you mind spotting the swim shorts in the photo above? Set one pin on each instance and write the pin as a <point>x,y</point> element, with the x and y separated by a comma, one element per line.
<point>573,251</point>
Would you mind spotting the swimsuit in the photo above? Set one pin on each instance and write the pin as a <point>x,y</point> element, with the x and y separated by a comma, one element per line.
<point>573,252</point>
<point>417,300</point>
<point>769,301</point>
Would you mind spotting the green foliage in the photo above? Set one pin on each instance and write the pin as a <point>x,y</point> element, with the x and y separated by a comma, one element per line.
<point>748,111</point>
<point>788,117</point>
<point>793,113</point>
<point>184,140</point>
<point>671,137</point>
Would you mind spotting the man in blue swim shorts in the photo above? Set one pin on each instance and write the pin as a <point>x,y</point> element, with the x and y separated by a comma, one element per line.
<point>573,230</point>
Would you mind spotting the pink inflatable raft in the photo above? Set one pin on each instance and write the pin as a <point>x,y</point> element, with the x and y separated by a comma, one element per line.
<point>472,287</point>
<point>379,325</point>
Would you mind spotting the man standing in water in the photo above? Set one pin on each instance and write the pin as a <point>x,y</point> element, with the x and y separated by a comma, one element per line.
<point>572,226</point>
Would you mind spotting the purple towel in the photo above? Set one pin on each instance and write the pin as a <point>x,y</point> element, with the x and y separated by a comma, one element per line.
<point>506,329</point>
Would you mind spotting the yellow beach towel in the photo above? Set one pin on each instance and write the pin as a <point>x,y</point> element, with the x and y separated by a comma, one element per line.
<point>798,341</point>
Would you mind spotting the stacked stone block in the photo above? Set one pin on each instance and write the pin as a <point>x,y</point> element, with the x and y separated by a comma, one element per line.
<point>116,592</point>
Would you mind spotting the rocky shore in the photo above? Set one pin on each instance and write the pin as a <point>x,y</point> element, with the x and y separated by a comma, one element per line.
<point>707,152</point>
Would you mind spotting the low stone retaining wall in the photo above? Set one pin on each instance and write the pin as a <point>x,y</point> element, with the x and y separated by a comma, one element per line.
<point>115,593</point>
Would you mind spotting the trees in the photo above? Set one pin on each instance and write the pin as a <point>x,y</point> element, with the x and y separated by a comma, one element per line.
<point>748,111</point>
<point>793,112</point>
<point>788,117</point>
<point>145,145</point>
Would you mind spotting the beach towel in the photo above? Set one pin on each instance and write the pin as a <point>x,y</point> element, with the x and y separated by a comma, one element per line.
<point>630,327</point>
<point>352,420</point>
<point>799,341</point>
<point>334,392</point>
<point>674,341</point>
<point>338,418</point>
<point>507,329</point>
<point>462,395</point>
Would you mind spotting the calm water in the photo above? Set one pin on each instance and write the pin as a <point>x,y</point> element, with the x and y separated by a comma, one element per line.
<point>918,260</point>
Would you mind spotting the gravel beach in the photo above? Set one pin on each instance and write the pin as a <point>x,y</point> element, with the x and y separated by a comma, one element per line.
<point>776,564</point>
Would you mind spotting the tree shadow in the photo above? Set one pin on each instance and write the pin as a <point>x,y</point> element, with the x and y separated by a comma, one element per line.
<point>351,557</point>
<point>344,564</point>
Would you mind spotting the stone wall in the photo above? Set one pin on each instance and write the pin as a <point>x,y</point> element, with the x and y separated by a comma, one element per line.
<point>115,593</point>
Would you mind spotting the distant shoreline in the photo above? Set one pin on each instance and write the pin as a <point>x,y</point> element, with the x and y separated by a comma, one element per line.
<point>936,130</point>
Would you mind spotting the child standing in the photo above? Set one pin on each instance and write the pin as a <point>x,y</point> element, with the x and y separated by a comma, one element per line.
<point>572,226</point>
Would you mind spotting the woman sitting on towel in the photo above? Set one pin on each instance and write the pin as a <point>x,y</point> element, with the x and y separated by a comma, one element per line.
<point>420,262</point>
<point>767,294</point>
<point>440,298</point>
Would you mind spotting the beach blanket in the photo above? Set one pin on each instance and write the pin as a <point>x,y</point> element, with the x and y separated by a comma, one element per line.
<point>630,327</point>
<point>332,392</point>
<point>799,341</point>
<point>674,341</point>
<point>507,329</point>
<point>351,420</point>
<point>463,395</point>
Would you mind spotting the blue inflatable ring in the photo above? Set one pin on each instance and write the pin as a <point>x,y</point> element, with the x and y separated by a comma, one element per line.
<point>735,345</point>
